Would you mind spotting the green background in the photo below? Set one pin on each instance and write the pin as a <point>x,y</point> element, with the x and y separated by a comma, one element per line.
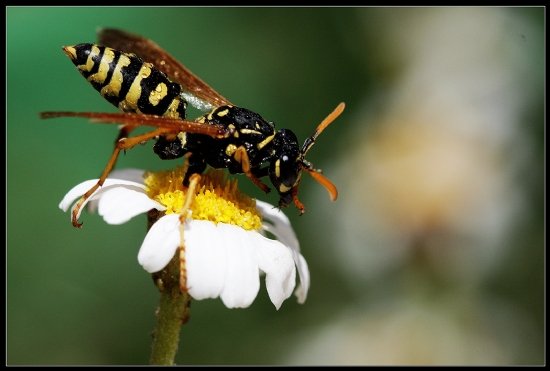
<point>78,296</point>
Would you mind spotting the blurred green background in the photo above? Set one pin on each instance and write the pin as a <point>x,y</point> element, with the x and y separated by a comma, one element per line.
<point>80,297</point>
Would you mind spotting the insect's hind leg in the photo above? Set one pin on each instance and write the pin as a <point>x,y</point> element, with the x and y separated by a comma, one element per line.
<point>195,164</point>
<point>121,144</point>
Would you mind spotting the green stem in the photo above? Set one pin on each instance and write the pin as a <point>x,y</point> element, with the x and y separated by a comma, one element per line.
<point>173,309</point>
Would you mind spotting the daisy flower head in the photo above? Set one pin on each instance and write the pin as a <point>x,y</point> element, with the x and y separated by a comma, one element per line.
<point>224,233</point>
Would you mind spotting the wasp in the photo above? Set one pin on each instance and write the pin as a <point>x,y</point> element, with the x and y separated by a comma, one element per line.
<point>151,88</point>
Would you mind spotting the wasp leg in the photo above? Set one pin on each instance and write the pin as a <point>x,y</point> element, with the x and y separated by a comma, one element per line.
<point>242,157</point>
<point>189,197</point>
<point>124,131</point>
<point>260,172</point>
<point>297,202</point>
<point>122,144</point>
<point>195,165</point>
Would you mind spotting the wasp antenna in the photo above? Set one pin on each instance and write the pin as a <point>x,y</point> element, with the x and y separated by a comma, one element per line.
<point>330,118</point>
<point>331,188</point>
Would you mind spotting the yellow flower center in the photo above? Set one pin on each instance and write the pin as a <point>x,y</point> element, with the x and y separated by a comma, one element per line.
<point>217,199</point>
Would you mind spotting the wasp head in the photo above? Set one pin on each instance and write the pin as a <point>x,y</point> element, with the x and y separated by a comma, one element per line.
<point>286,171</point>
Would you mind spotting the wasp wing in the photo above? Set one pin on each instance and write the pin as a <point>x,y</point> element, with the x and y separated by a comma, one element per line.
<point>199,94</point>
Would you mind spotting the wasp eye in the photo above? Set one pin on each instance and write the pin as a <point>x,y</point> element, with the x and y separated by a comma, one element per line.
<point>288,170</point>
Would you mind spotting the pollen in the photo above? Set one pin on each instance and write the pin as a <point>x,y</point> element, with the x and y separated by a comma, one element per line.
<point>217,199</point>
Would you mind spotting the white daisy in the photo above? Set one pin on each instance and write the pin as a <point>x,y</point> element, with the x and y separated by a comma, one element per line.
<point>225,236</point>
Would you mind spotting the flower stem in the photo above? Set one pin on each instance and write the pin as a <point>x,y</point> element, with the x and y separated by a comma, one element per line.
<point>173,309</point>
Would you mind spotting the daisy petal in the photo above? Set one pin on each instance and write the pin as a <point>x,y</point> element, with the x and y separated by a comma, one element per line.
<point>280,227</point>
<point>205,258</point>
<point>83,187</point>
<point>242,280</point>
<point>76,192</point>
<point>273,213</point>
<point>120,204</point>
<point>133,175</point>
<point>303,272</point>
<point>276,260</point>
<point>160,244</point>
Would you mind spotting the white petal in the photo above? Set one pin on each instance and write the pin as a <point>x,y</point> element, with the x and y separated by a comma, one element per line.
<point>120,204</point>
<point>205,258</point>
<point>133,175</point>
<point>280,225</point>
<point>76,192</point>
<point>276,260</point>
<point>303,272</point>
<point>242,280</point>
<point>281,228</point>
<point>221,260</point>
<point>273,213</point>
<point>160,244</point>
<point>82,188</point>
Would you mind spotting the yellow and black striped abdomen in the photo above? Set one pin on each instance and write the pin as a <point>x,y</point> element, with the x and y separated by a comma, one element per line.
<point>128,82</point>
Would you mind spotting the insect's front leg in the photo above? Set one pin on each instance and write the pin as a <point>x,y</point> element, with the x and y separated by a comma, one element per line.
<point>195,165</point>
<point>121,144</point>
<point>242,157</point>
<point>297,202</point>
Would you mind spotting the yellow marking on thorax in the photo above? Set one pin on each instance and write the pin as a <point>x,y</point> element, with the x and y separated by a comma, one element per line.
<point>265,141</point>
<point>235,132</point>
<point>222,113</point>
<point>230,149</point>
<point>219,114</point>
<point>249,131</point>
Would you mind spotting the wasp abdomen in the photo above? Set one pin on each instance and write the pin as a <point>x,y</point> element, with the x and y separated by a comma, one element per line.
<point>127,82</point>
